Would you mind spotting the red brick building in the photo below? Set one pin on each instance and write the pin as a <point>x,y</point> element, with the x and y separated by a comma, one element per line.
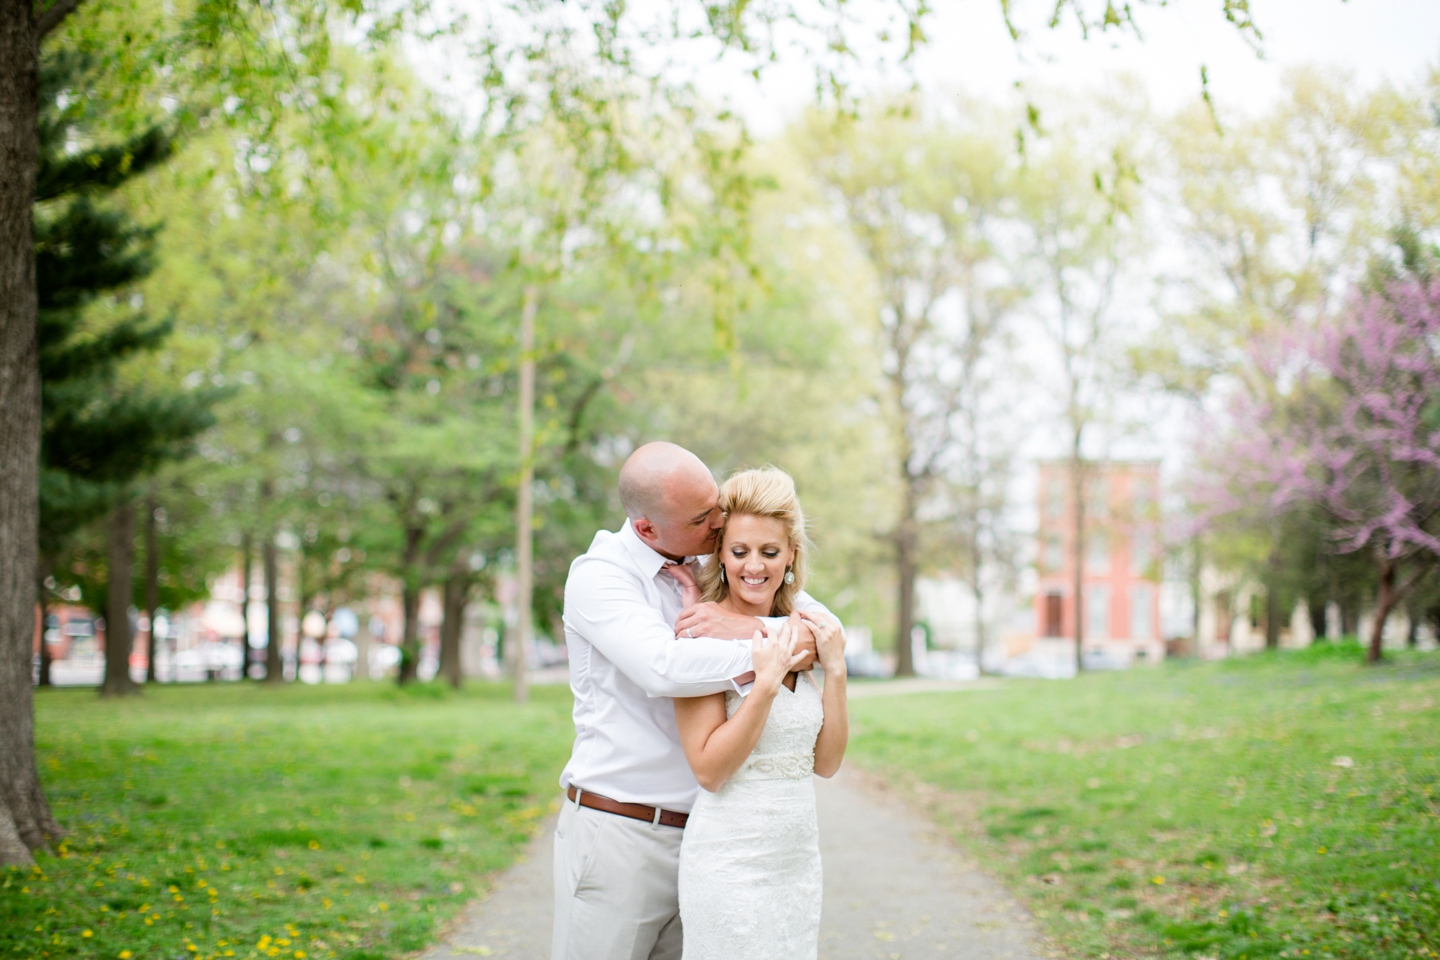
<point>1121,576</point>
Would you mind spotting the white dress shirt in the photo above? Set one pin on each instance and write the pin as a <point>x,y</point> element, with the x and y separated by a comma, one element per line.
<point>625,665</point>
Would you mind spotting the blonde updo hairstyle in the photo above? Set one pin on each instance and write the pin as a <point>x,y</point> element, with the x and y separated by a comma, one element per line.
<point>764,492</point>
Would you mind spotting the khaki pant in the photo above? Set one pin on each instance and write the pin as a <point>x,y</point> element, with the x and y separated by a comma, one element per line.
<point>616,880</point>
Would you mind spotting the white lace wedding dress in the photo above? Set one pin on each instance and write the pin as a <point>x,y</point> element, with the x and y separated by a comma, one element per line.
<point>750,861</point>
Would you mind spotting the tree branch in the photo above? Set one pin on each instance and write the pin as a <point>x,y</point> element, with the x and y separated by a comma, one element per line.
<point>53,16</point>
<point>1410,584</point>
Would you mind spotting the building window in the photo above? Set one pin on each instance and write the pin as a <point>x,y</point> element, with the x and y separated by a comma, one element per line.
<point>1097,613</point>
<point>1097,553</point>
<point>1142,498</point>
<point>1142,608</point>
<point>1097,497</point>
<point>1053,558</point>
<point>1054,614</point>
<point>1142,553</point>
<point>1055,496</point>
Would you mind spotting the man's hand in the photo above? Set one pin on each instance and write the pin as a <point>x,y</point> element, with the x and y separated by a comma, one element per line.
<point>713,620</point>
<point>804,643</point>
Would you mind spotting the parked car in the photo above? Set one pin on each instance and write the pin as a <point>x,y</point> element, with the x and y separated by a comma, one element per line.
<point>866,664</point>
<point>210,656</point>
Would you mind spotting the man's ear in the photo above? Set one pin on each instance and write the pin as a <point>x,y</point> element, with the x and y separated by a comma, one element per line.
<point>646,530</point>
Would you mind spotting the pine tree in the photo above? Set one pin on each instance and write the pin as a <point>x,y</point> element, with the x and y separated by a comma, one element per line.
<point>99,437</point>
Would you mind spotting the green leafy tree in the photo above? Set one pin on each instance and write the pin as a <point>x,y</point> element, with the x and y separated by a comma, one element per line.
<point>922,200</point>
<point>238,52</point>
<point>99,435</point>
<point>1281,211</point>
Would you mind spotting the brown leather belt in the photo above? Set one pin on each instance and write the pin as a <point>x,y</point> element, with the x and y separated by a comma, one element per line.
<point>635,811</point>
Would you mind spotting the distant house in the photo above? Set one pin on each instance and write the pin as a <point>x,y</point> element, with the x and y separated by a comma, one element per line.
<point>1120,580</point>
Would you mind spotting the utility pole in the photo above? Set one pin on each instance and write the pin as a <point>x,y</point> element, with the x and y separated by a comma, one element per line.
<point>524,506</point>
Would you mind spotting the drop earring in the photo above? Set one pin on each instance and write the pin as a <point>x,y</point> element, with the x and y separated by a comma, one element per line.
<point>722,575</point>
<point>789,576</point>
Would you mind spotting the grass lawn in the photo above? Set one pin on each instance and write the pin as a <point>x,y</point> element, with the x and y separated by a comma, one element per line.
<point>305,822</point>
<point>1280,806</point>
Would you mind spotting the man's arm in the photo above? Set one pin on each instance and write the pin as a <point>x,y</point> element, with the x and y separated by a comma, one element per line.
<point>808,604</point>
<point>713,620</point>
<point>605,605</point>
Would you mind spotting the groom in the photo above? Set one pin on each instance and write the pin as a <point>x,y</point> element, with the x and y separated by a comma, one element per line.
<point>632,648</point>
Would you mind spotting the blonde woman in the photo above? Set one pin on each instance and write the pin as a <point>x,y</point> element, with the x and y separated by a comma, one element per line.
<point>750,882</point>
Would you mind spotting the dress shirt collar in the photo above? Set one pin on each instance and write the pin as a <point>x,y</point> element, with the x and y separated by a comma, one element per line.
<point>646,557</point>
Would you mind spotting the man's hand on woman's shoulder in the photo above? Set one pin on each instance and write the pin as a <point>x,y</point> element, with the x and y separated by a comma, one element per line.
<point>713,620</point>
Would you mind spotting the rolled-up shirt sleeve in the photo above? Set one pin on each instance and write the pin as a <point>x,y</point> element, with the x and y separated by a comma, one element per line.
<point>606,606</point>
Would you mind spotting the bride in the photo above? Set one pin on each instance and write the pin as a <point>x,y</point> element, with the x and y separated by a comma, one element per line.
<point>750,860</point>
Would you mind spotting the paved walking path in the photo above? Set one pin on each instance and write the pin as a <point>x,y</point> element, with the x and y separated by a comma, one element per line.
<point>895,889</point>
<point>866,689</point>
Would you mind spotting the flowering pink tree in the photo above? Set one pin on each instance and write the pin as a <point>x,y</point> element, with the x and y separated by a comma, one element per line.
<point>1346,417</point>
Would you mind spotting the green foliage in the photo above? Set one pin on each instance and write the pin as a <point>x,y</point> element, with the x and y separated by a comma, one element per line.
<point>1257,807</point>
<point>99,435</point>
<point>348,821</point>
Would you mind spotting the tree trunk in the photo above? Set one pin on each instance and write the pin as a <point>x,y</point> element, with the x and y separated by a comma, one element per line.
<point>363,640</point>
<point>302,606</point>
<point>25,820</point>
<point>1316,609</point>
<point>119,640</point>
<point>1272,595</point>
<point>1272,618</point>
<point>152,584</point>
<point>524,507</point>
<point>1384,603</point>
<point>247,566</point>
<point>457,593</point>
<point>45,659</point>
<point>274,652</point>
<point>1349,619</point>
<point>1077,493</point>
<point>410,636</point>
<point>978,590</point>
<point>1196,599</point>
<point>906,564</point>
<point>322,642</point>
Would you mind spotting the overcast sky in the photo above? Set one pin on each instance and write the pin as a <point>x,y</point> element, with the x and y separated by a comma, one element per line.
<point>1376,40</point>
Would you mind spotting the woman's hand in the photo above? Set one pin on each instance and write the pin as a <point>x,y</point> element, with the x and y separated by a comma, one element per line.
<point>829,642</point>
<point>682,574</point>
<point>776,658</point>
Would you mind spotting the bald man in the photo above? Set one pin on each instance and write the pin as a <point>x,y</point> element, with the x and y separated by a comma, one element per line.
<point>632,648</point>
